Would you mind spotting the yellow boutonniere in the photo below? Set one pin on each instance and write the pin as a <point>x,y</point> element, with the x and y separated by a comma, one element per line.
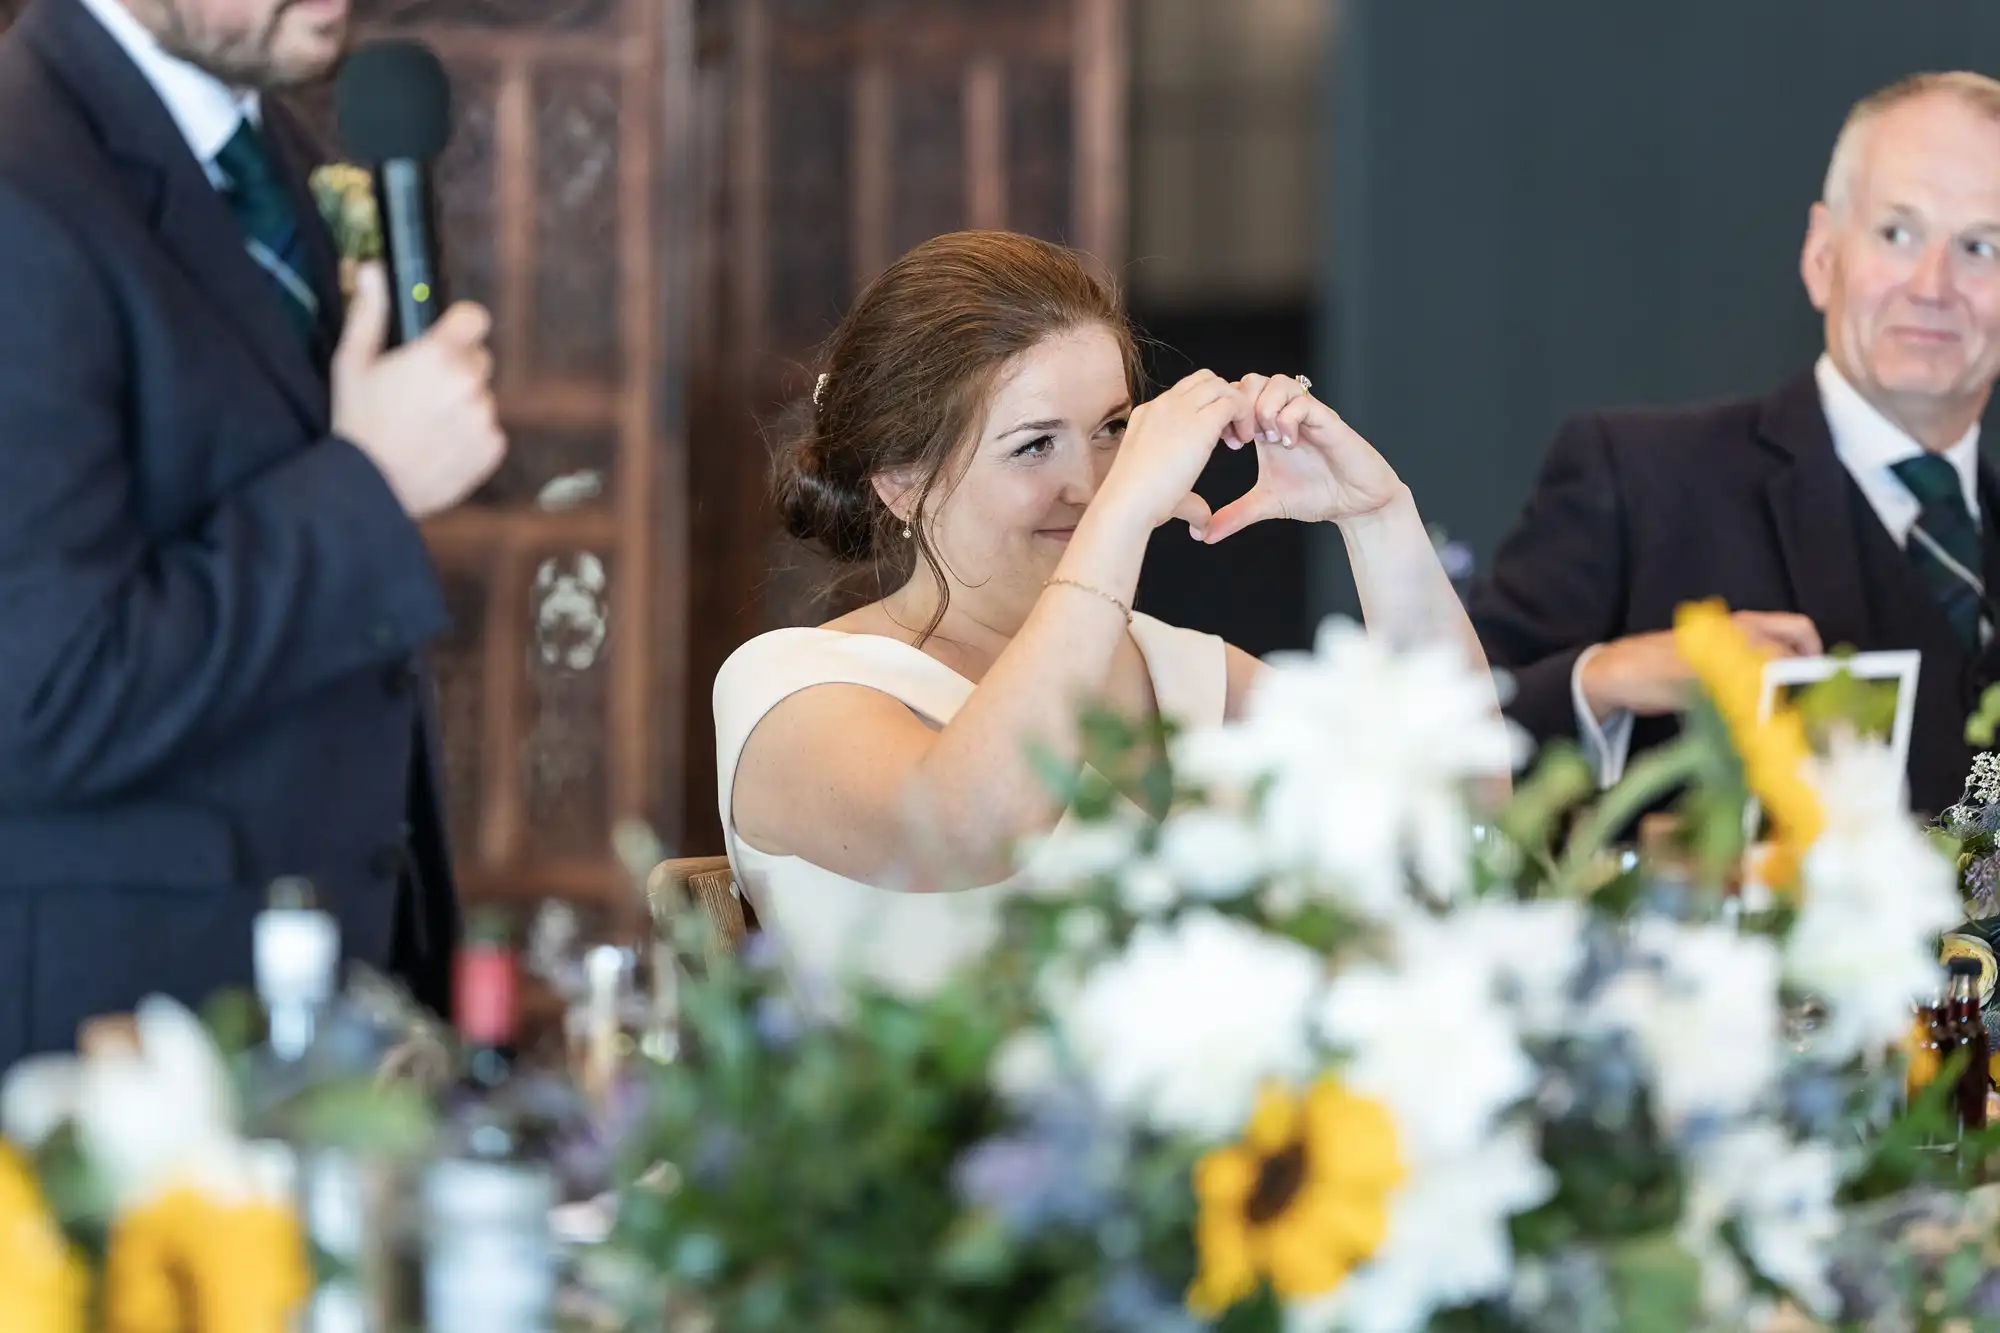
<point>346,197</point>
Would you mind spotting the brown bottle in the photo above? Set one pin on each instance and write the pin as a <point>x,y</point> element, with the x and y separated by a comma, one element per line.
<point>1924,1048</point>
<point>1964,1030</point>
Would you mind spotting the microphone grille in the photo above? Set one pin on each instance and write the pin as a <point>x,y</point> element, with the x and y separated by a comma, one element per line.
<point>393,101</point>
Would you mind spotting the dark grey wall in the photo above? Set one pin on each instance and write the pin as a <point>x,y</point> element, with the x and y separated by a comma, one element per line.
<point>1540,206</point>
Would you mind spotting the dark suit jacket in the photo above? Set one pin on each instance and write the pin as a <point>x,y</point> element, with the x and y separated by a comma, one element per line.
<point>209,605</point>
<point>1639,511</point>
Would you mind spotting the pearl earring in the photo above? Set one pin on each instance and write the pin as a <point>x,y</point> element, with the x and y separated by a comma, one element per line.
<point>906,532</point>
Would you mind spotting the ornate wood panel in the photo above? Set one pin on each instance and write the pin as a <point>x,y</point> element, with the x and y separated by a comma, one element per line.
<point>564,207</point>
<point>838,134</point>
<point>562,202</point>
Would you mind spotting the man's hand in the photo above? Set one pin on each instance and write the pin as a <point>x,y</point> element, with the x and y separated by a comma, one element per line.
<point>1646,676</point>
<point>423,413</point>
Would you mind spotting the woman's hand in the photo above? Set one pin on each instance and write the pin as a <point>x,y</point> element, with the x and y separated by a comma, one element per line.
<point>1167,443</point>
<point>1311,465</point>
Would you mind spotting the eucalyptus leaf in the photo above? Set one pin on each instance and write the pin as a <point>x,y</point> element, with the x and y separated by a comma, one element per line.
<point>1656,1285</point>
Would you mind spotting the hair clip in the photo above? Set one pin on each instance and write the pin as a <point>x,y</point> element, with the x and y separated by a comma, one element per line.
<point>819,387</point>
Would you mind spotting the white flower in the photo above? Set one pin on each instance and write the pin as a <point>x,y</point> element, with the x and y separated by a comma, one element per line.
<point>1447,1244</point>
<point>1875,895</point>
<point>1212,852</point>
<point>1366,753</point>
<point>1075,853</point>
<point>1984,781</point>
<point>146,1119</point>
<point>1394,1024</point>
<point>1781,1195</point>
<point>1703,1006</point>
<point>1533,951</point>
<point>1179,1030</point>
<point>1024,1067</point>
<point>1463,984</point>
<point>1147,888</point>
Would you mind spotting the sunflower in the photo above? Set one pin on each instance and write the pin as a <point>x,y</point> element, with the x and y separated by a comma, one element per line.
<point>1300,1201</point>
<point>1773,749</point>
<point>42,1282</point>
<point>188,1260</point>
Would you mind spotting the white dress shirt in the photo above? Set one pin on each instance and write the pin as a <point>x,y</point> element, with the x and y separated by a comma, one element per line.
<point>206,109</point>
<point>1868,445</point>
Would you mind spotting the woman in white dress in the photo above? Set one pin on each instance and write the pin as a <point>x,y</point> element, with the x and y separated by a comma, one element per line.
<point>975,434</point>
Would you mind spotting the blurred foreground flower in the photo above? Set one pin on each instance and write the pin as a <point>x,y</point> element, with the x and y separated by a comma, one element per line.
<point>1874,895</point>
<point>1178,1031</point>
<point>1299,1202</point>
<point>161,1113</point>
<point>189,1262</point>
<point>1773,749</point>
<point>1360,756</point>
<point>43,1283</point>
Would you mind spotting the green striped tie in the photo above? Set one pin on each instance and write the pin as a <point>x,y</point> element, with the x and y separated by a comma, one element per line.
<point>263,205</point>
<point>1945,545</point>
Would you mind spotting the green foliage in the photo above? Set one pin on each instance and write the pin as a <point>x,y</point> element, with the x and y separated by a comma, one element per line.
<point>810,1177</point>
<point>77,1194</point>
<point>1844,699</point>
<point>1923,1146</point>
<point>1980,727</point>
<point>1655,1285</point>
<point>363,1115</point>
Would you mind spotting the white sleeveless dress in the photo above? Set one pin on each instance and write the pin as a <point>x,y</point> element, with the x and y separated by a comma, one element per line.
<point>829,928</point>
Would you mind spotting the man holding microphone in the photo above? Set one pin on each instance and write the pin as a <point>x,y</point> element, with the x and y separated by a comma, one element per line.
<point>213,590</point>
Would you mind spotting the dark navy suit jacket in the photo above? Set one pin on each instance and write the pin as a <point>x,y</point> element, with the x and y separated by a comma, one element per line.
<point>210,606</point>
<point>1638,511</point>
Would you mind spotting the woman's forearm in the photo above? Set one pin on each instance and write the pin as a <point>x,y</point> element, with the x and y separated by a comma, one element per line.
<point>1407,598</point>
<point>976,793</point>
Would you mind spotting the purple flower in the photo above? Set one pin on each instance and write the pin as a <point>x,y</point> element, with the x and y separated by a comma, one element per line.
<point>1982,888</point>
<point>1062,1169</point>
<point>779,1021</point>
<point>1132,1302</point>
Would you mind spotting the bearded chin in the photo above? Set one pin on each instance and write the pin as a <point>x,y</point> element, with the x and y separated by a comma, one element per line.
<point>243,60</point>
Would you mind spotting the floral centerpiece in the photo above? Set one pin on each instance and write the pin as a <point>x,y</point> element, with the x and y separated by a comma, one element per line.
<point>1974,823</point>
<point>150,1184</point>
<point>1279,1037</point>
<point>127,1166</point>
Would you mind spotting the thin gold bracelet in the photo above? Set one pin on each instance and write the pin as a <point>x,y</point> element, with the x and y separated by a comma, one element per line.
<point>1094,592</point>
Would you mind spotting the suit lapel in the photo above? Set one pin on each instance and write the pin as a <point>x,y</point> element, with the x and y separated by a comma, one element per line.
<point>1989,526</point>
<point>187,215</point>
<point>1811,509</point>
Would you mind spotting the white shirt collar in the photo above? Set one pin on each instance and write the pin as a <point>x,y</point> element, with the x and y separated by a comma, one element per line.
<point>206,109</point>
<point>1868,444</point>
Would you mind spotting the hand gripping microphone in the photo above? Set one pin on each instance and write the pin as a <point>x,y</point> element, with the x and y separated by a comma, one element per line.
<point>394,105</point>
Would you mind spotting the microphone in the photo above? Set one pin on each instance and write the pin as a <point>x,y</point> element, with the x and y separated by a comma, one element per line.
<point>393,102</point>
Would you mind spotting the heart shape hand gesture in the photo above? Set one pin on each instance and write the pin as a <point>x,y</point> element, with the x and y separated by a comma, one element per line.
<point>1311,466</point>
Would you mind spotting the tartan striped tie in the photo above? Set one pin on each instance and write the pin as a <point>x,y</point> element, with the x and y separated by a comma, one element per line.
<point>262,204</point>
<point>1945,545</point>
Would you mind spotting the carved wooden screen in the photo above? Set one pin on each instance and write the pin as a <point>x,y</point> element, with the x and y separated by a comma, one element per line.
<point>564,202</point>
<point>561,680</point>
<point>849,131</point>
